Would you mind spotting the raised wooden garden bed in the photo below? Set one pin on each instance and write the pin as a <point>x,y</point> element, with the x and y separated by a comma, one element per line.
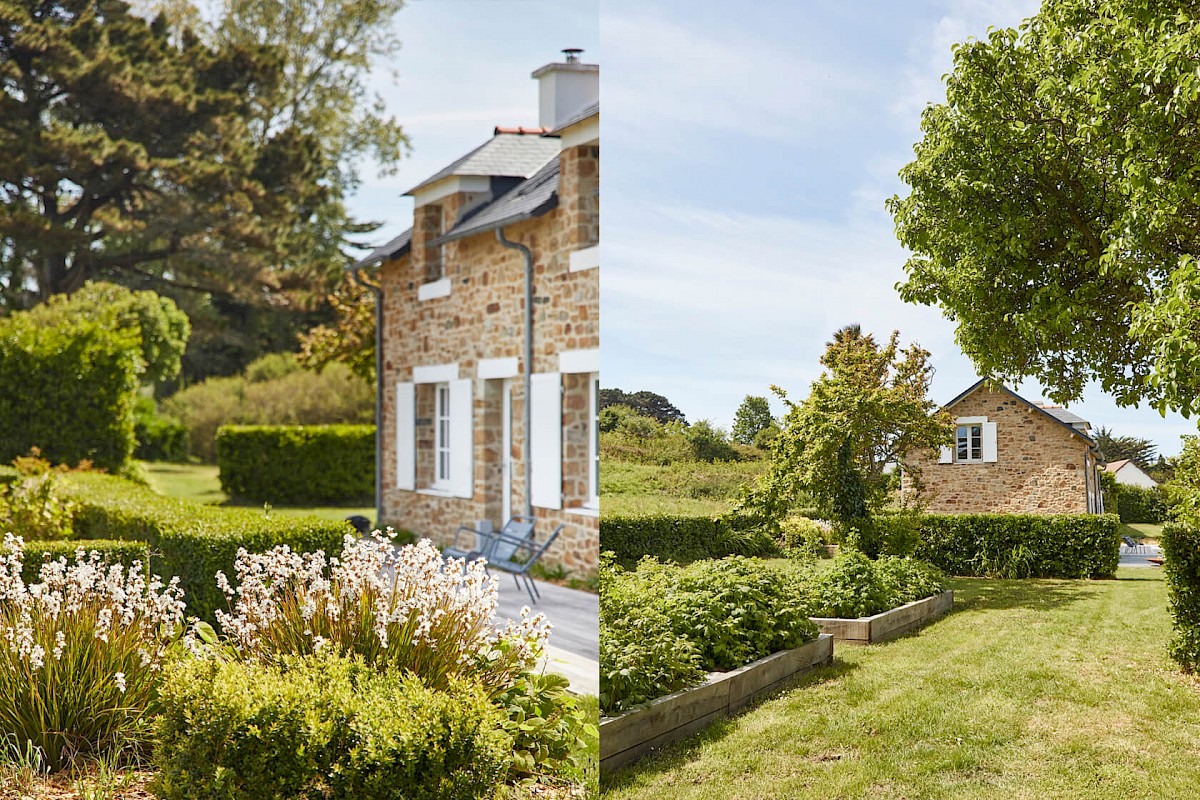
<point>889,624</point>
<point>635,733</point>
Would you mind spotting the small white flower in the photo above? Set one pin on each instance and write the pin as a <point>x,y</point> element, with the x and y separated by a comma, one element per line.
<point>119,680</point>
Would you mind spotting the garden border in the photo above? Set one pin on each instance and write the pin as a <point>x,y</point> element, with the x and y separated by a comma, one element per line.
<point>887,624</point>
<point>628,737</point>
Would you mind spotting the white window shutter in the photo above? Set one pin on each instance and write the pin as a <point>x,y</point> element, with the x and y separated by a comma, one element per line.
<point>545,440</point>
<point>462,439</point>
<point>989,441</point>
<point>406,436</point>
<point>946,455</point>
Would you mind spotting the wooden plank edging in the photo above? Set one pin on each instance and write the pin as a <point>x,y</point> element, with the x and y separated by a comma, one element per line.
<point>887,624</point>
<point>628,737</point>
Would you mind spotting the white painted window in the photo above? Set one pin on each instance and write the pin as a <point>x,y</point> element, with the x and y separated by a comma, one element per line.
<point>968,443</point>
<point>441,436</point>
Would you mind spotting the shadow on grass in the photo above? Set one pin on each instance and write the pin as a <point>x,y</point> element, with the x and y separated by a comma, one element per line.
<point>977,594</point>
<point>676,754</point>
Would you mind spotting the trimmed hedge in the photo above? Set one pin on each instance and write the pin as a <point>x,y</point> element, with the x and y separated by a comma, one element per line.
<point>324,728</point>
<point>187,539</point>
<point>1141,504</point>
<point>297,464</point>
<point>685,539</point>
<point>1021,545</point>
<point>111,552</point>
<point>68,390</point>
<point>1181,563</point>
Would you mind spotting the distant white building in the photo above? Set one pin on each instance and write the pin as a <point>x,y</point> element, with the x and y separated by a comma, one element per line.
<point>1131,474</point>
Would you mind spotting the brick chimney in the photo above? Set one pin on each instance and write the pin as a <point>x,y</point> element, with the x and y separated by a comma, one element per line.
<point>565,88</point>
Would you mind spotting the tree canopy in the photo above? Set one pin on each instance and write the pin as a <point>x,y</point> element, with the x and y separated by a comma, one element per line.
<point>1054,211</point>
<point>752,417</point>
<point>1142,452</point>
<point>869,407</point>
<point>646,403</point>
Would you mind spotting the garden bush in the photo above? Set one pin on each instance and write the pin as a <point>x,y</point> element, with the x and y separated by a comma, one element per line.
<point>801,537</point>
<point>273,391</point>
<point>855,586</point>
<point>1141,504</point>
<point>292,464</point>
<point>1180,544</point>
<point>32,505</point>
<point>685,539</point>
<point>159,437</point>
<point>678,622</point>
<point>313,727</point>
<point>1022,545</point>
<point>190,540</point>
<point>79,673</point>
<point>69,390</point>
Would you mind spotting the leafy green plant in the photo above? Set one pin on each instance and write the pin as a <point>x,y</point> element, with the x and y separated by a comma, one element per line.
<point>552,731</point>
<point>1180,543</point>
<point>325,726</point>
<point>856,586</point>
<point>159,437</point>
<point>307,464</point>
<point>801,537</point>
<point>79,671</point>
<point>34,506</point>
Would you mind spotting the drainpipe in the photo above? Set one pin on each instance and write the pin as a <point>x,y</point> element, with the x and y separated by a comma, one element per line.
<point>376,290</point>
<point>527,376</point>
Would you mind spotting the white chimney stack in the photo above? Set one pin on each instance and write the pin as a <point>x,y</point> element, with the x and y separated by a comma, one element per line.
<point>566,88</point>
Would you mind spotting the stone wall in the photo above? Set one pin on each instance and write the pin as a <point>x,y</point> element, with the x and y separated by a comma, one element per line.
<point>483,318</point>
<point>1040,467</point>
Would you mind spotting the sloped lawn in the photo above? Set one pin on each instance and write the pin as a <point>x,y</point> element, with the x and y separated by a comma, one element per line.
<point>1028,689</point>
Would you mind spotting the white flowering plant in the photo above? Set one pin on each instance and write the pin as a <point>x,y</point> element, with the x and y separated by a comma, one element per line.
<point>401,608</point>
<point>81,652</point>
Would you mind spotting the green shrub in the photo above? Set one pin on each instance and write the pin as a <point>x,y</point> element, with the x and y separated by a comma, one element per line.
<point>33,507</point>
<point>1141,504</point>
<point>80,672</point>
<point>663,626</point>
<point>324,727</point>
<point>552,731</point>
<point>1022,545</point>
<point>801,537</point>
<point>298,465</point>
<point>855,586</point>
<point>68,390</point>
<point>159,437</point>
<point>685,539</point>
<point>270,395</point>
<point>1180,544</point>
<point>190,540</point>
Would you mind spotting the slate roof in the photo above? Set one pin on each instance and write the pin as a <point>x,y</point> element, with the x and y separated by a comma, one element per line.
<point>1062,415</point>
<point>393,249</point>
<point>505,155</point>
<point>590,111</point>
<point>530,198</point>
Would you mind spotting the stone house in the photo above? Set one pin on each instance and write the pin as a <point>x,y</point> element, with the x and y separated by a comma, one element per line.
<point>490,332</point>
<point>1010,456</point>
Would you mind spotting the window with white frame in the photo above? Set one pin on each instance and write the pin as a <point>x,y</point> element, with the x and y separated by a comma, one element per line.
<point>441,436</point>
<point>968,442</point>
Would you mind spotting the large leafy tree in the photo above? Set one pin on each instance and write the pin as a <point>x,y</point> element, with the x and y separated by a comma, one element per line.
<point>1142,452</point>
<point>1054,211</point>
<point>646,403</point>
<point>869,408</point>
<point>752,417</point>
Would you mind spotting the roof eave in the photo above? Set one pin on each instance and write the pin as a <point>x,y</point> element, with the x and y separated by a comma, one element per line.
<point>452,236</point>
<point>1074,432</point>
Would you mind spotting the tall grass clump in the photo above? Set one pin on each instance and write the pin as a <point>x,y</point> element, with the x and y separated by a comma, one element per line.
<point>80,653</point>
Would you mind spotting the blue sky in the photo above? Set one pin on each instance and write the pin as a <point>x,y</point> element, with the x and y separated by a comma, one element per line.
<point>748,151</point>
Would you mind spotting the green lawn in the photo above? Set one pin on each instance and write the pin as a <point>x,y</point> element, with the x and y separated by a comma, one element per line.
<point>1142,530</point>
<point>199,483</point>
<point>1028,689</point>
<point>688,488</point>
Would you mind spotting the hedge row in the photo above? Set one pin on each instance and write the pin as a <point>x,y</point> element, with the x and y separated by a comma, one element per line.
<point>1021,545</point>
<point>187,539</point>
<point>297,464</point>
<point>1181,563</point>
<point>684,539</point>
<point>68,390</point>
<point>1141,504</point>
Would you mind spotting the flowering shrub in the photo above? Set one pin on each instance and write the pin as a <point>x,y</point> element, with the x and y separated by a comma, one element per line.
<point>80,652</point>
<point>397,608</point>
<point>33,504</point>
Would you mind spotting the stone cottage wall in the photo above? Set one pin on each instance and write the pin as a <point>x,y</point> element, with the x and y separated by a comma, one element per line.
<point>1040,466</point>
<point>482,318</point>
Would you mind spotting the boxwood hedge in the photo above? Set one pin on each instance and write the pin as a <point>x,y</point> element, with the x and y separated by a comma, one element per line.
<point>1181,563</point>
<point>1022,545</point>
<point>304,464</point>
<point>187,539</point>
<point>685,539</point>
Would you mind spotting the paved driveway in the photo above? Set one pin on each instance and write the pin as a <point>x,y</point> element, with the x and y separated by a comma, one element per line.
<point>1138,555</point>
<point>574,646</point>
